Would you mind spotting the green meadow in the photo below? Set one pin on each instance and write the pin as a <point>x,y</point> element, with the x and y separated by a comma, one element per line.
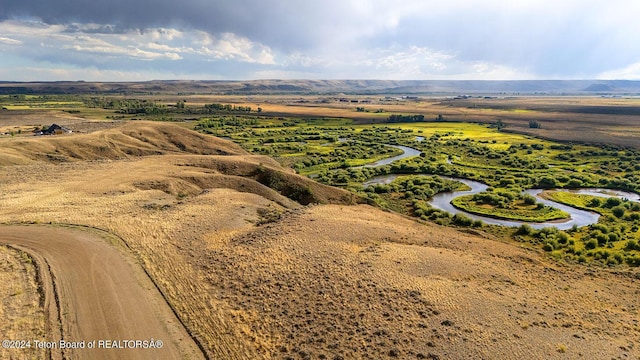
<point>332,151</point>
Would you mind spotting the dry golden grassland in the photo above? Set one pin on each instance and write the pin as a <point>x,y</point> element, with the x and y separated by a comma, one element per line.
<point>20,309</point>
<point>254,274</point>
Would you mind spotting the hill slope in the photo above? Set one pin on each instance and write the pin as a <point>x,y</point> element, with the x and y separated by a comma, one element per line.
<point>129,140</point>
<point>175,144</point>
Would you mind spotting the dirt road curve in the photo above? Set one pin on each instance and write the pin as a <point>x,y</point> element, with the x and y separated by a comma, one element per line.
<point>94,291</point>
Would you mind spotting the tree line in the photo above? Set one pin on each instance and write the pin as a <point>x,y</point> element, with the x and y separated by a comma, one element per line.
<point>396,118</point>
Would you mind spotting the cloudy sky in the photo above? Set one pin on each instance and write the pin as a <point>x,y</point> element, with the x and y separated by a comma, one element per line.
<point>119,40</point>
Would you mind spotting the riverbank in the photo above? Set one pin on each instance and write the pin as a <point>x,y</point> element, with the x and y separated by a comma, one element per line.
<point>558,214</point>
<point>443,201</point>
<point>517,210</point>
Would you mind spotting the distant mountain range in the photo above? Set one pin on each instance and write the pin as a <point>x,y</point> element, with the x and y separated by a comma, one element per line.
<point>404,87</point>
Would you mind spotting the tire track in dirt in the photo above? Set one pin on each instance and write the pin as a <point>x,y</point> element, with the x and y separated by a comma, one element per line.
<point>93,291</point>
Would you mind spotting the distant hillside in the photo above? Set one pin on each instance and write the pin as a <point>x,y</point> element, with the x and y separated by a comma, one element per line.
<point>129,140</point>
<point>541,87</point>
<point>228,165</point>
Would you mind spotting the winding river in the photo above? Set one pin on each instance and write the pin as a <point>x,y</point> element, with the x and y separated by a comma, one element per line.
<point>442,201</point>
<point>407,152</point>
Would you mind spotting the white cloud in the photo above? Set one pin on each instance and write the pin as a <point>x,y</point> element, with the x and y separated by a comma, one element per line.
<point>631,72</point>
<point>92,45</point>
<point>415,59</point>
<point>298,59</point>
<point>30,73</point>
<point>162,34</point>
<point>165,47</point>
<point>395,63</point>
<point>489,71</point>
<point>228,46</point>
<point>9,41</point>
<point>200,45</point>
<point>100,41</point>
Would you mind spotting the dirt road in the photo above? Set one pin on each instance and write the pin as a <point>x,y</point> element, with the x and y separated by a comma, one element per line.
<point>93,291</point>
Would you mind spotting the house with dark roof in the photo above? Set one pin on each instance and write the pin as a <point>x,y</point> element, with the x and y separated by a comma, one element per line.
<point>54,129</point>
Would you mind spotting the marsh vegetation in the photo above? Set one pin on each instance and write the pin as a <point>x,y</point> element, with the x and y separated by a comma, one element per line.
<point>332,151</point>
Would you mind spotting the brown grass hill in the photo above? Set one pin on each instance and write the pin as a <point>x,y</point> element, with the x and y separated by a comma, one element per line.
<point>129,140</point>
<point>192,162</point>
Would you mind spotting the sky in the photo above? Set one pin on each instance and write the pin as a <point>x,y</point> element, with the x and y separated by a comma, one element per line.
<point>134,40</point>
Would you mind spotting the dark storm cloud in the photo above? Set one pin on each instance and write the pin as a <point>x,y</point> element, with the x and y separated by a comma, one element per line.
<point>491,39</point>
<point>100,29</point>
<point>281,24</point>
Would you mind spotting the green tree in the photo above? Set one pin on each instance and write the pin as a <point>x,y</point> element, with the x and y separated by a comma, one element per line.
<point>547,183</point>
<point>591,244</point>
<point>595,202</point>
<point>618,211</point>
<point>534,124</point>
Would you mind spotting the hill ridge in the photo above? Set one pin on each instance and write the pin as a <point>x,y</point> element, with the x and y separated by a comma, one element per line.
<point>129,140</point>
<point>217,163</point>
<point>275,86</point>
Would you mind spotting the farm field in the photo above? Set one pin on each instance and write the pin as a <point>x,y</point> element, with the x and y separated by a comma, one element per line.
<point>261,232</point>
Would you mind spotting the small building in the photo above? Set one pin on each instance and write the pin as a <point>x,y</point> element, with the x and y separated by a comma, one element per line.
<point>54,129</point>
